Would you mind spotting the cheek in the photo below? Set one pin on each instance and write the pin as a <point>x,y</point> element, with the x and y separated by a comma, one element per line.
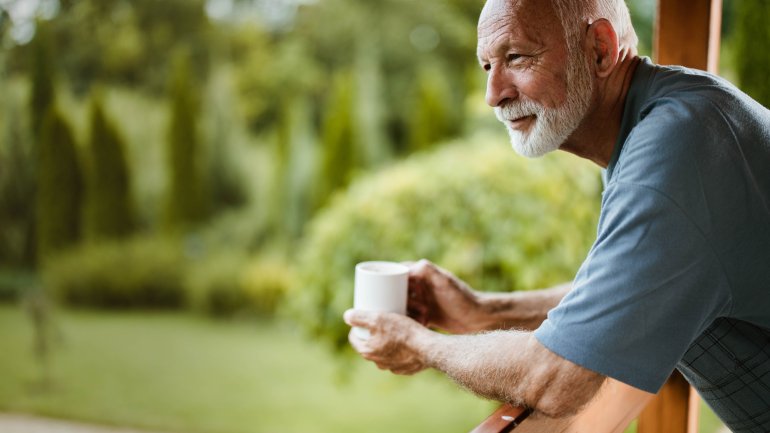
<point>544,89</point>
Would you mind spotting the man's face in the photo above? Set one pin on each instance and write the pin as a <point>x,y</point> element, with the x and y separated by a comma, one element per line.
<point>539,87</point>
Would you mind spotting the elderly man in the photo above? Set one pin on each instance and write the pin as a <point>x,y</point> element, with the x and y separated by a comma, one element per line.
<point>679,275</point>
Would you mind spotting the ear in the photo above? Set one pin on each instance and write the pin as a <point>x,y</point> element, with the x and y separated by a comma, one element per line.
<point>603,47</point>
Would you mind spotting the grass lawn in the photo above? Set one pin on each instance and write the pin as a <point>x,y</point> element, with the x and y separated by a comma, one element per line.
<point>183,373</point>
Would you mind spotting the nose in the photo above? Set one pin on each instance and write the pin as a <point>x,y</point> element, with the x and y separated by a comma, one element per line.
<point>500,88</point>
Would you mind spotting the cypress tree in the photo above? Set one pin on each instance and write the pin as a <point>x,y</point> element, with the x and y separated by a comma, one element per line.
<point>752,63</point>
<point>42,92</point>
<point>108,212</point>
<point>185,202</point>
<point>339,151</point>
<point>17,187</point>
<point>59,187</point>
<point>431,121</point>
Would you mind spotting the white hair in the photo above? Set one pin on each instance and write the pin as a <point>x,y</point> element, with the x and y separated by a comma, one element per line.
<point>575,14</point>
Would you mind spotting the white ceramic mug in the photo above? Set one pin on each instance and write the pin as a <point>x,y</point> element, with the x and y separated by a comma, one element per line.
<point>380,286</point>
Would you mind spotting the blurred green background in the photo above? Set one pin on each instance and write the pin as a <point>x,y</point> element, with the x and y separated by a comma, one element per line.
<point>185,186</point>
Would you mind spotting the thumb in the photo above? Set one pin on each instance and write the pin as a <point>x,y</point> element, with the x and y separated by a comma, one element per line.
<point>361,318</point>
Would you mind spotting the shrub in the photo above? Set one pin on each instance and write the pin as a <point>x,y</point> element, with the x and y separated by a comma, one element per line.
<point>230,284</point>
<point>139,272</point>
<point>495,219</point>
<point>156,272</point>
<point>213,285</point>
<point>266,283</point>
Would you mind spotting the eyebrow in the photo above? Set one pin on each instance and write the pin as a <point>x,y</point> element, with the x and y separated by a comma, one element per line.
<point>522,43</point>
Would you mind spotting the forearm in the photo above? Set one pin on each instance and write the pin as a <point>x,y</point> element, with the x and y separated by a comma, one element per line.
<point>511,366</point>
<point>517,310</point>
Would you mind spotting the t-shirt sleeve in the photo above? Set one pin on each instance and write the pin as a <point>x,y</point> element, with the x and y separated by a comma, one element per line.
<point>649,286</point>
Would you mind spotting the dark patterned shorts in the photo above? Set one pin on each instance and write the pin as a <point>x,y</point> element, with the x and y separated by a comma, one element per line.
<point>729,365</point>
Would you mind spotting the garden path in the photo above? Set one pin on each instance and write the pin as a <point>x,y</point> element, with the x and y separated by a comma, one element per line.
<point>14,423</point>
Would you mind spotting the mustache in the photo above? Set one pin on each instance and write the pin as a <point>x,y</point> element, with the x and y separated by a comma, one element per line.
<point>517,109</point>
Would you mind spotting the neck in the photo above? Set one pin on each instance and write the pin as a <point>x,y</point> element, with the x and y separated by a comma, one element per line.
<point>595,137</point>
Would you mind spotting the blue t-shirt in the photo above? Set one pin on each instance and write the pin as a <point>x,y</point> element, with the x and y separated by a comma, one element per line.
<point>684,233</point>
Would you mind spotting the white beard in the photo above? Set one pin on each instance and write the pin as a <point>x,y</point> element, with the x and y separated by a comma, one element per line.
<point>552,126</point>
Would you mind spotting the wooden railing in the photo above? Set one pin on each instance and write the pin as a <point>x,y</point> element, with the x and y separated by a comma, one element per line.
<point>673,410</point>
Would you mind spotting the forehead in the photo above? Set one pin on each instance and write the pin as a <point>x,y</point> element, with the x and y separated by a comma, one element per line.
<point>515,22</point>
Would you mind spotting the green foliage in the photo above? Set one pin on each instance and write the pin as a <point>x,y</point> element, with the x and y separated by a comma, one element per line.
<point>338,146</point>
<point>124,42</point>
<point>17,186</point>
<point>497,220</point>
<point>431,120</point>
<point>185,201</point>
<point>266,283</point>
<point>59,189</point>
<point>752,58</point>
<point>138,272</point>
<point>109,213</point>
<point>262,77</point>
<point>42,76</point>
<point>406,34</point>
<point>215,288</point>
<point>642,17</point>
<point>228,284</point>
<point>154,272</point>
<point>15,283</point>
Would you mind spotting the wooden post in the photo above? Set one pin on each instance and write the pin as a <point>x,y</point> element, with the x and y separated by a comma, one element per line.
<point>673,410</point>
<point>687,33</point>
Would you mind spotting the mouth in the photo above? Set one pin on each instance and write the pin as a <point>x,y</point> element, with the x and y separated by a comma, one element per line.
<point>521,123</point>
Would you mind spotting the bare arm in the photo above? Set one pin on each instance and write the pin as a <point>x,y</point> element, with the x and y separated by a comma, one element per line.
<point>510,366</point>
<point>438,299</point>
<point>519,310</point>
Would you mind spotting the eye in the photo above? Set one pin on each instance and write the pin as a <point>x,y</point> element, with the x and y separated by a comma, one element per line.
<point>513,57</point>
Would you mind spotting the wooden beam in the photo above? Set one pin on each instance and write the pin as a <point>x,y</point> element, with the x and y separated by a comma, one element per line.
<point>687,33</point>
<point>673,410</point>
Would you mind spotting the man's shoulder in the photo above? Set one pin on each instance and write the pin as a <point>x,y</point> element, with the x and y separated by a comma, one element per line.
<point>681,116</point>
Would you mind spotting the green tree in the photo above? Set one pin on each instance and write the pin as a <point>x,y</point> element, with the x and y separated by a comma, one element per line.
<point>109,212</point>
<point>752,31</point>
<point>17,185</point>
<point>339,150</point>
<point>42,94</point>
<point>59,189</point>
<point>431,119</point>
<point>185,200</point>
<point>123,42</point>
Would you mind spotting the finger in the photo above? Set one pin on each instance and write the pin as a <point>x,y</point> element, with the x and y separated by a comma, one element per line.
<point>428,274</point>
<point>359,344</point>
<point>407,370</point>
<point>420,268</point>
<point>360,318</point>
<point>419,302</point>
<point>418,312</point>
